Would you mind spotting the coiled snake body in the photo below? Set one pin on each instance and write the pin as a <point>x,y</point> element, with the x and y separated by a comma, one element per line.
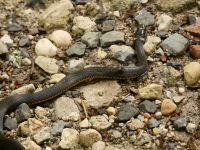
<point>11,102</point>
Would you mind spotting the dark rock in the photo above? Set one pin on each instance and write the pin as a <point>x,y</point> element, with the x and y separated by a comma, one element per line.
<point>91,39</point>
<point>58,127</point>
<point>10,123</point>
<point>180,124</point>
<point>108,25</point>
<point>24,41</point>
<point>126,112</point>
<point>22,113</point>
<point>81,2</point>
<point>14,27</point>
<point>78,49</point>
<point>148,106</point>
<point>191,19</point>
<point>152,123</point>
<point>144,17</point>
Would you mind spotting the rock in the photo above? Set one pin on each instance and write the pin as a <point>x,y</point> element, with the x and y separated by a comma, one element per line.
<point>85,123</point>
<point>194,29</point>
<point>152,123</point>
<point>129,98</point>
<point>41,112</point>
<point>89,137</point>
<point>151,91</point>
<point>69,139</point>
<point>191,73</point>
<point>76,65</point>
<point>151,43</point>
<point>177,99</point>
<point>22,113</point>
<point>66,109</point>
<point>101,54</point>
<point>14,27</point>
<point>122,53</point>
<point>26,61</point>
<point>100,145</point>
<point>6,39</point>
<point>10,123</point>
<point>115,134</point>
<point>81,2</point>
<point>3,48</point>
<point>30,127</point>
<point>23,41</point>
<point>108,25</point>
<point>83,24</point>
<point>42,135</point>
<point>180,124</point>
<point>58,128</point>
<point>192,19</point>
<point>144,17</point>
<point>99,122</point>
<point>78,49</point>
<point>144,1</point>
<point>47,64</point>
<point>168,107</point>
<point>100,94</point>
<point>156,131</point>
<point>30,88</point>
<point>195,51</point>
<point>111,110</point>
<point>176,44</point>
<point>112,37</point>
<point>91,39</point>
<point>175,5</point>
<point>44,47</point>
<point>56,77</point>
<point>164,22</point>
<point>135,124</point>
<point>163,130</point>
<point>61,38</point>
<point>30,145</point>
<point>143,138</point>
<point>126,112</point>
<point>148,106</point>
<point>191,128</point>
<point>56,15</point>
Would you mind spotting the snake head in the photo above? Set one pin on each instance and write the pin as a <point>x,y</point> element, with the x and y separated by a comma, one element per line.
<point>140,32</point>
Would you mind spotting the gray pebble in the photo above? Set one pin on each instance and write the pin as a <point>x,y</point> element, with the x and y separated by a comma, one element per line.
<point>10,123</point>
<point>180,124</point>
<point>23,41</point>
<point>14,27</point>
<point>91,39</point>
<point>144,17</point>
<point>58,128</point>
<point>81,2</point>
<point>108,25</point>
<point>148,106</point>
<point>22,113</point>
<point>152,123</point>
<point>78,49</point>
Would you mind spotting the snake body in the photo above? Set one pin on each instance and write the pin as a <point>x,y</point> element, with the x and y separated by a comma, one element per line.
<point>11,102</point>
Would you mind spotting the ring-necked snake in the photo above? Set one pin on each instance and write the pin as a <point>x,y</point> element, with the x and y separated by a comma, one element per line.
<point>11,102</point>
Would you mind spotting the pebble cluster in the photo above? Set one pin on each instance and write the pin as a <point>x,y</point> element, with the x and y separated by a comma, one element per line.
<point>158,111</point>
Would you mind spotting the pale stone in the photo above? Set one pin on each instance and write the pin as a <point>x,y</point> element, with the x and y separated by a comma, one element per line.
<point>168,107</point>
<point>30,88</point>
<point>151,91</point>
<point>151,43</point>
<point>56,77</point>
<point>164,22</point>
<point>192,73</point>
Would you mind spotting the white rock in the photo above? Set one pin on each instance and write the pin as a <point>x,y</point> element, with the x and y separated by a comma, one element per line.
<point>85,123</point>
<point>30,88</point>
<point>99,122</point>
<point>83,24</point>
<point>41,112</point>
<point>61,38</point>
<point>56,77</point>
<point>6,39</point>
<point>111,110</point>
<point>191,128</point>
<point>100,145</point>
<point>42,135</point>
<point>164,22</point>
<point>151,43</point>
<point>47,64</point>
<point>135,124</point>
<point>26,61</point>
<point>3,48</point>
<point>44,47</point>
<point>192,73</point>
<point>76,65</point>
<point>144,1</point>
<point>69,138</point>
<point>30,145</point>
<point>177,99</point>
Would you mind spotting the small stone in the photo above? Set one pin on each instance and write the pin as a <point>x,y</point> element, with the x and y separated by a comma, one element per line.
<point>194,29</point>
<point>69,139</point>
<point>115,134</point>
<point>14,27</point>
<point>78,49</point>
<point>23,41</point>
<point>26,61</point>
<point>159,51</point>
<point>81,2</point>
<point>6,39</point>
<point>163,130</point>
<point>191,128</point>
<point>41,112</point>
<point>144,1</point>
<point>122,53</point>
<point>195,51</point>
<point>156,131</point>
<point>99,122</point>
<point>76,65</point>
<point>30,88</point>
<point>58,128</point>
<point>164,22</point>
<point>180,124</point>
<point>168,107</point>
<point>100,145</point>
<point>30,145</point>
<point>178,99</point>
<point>192,19</point>
<point>3,48</point>
<point>181,90</point>
<point>158,114</point>
<point>10,123</point>
<point>152,123</point>
<point>56,77</point>
<point>22,113</point>
<point>42,135</point>
<point>126,112</point>
<point>151,43</point>
<point>111,110</point>
<point>89,137</point>
<point>151,91</point>
<point>135,124</point>
<point>176,44</point>
<point>61,38</point>
<point>91,39</point>
<point>112,37</point>
<point>144,17</point>
<point>44,47</point>
<point>85,123</point>
<point>129,98</point>
<point>47,64</point>
<point>101,54</point>
<point>66,109</point>
<point>108,25</point>
<point>192,73</point>
<point>148,106</point>
<point>83,24</point>
<point>143,138</point>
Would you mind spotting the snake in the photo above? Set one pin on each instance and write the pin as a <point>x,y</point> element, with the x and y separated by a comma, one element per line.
<point>10,103</point>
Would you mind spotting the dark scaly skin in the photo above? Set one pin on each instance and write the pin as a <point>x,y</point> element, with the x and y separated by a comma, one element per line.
<point>11,102</point>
